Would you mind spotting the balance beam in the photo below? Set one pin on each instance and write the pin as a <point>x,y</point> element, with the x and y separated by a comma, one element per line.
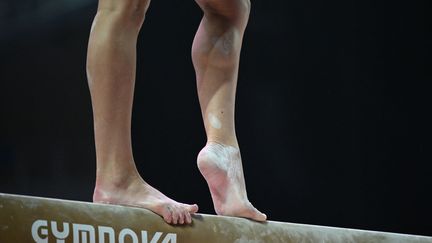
<point>35,219</point>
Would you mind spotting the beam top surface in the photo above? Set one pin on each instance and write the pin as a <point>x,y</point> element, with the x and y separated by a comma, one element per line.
<point>35,219</point>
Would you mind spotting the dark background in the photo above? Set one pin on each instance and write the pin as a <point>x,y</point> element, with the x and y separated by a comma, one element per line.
<point>332,108</point>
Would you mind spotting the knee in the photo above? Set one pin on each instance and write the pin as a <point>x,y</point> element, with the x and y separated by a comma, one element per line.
<point>231,9</point>
<point>125,10</point>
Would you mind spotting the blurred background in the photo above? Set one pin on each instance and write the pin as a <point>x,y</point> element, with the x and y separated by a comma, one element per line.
<point>332,108</point>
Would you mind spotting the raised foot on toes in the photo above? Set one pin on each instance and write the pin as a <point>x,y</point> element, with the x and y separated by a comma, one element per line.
<point>221,167</point>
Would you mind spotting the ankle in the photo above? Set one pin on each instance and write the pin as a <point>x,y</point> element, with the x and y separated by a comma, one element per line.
<point>224,141</point>
<point>222,150</point>
<point>115,175</point>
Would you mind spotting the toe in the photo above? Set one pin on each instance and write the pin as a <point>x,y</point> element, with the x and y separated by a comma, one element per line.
<point>175,217</point>
<point>168,217</point>
<point>192,208</point>
<point>188,218</point>
<point>260,217</point>
<point>257,215</point>
<point>182,218</point>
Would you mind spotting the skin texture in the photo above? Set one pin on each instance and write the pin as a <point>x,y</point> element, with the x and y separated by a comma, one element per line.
<point>111,67</point>
<point>216,55</point>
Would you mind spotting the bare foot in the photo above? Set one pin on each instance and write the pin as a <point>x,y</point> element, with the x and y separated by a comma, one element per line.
<point>222,168</point>
<point>134,191</point>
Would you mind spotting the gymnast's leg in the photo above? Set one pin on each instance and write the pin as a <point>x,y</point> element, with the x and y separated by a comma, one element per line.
<point>111,65</point>
<point>215,55</point>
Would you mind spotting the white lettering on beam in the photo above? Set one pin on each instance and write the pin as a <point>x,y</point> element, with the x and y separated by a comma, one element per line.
<point>85,230</point>
<point>60,235</point>
<point>84,233</point>
<point>106,230</point>
<point>37,225</point>
<point>125,232</point>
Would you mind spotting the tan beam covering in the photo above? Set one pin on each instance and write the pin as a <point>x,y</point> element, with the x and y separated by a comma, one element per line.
<point>34,219</point>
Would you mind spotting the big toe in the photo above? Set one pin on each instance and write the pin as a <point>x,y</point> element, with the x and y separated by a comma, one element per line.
<point>255,214</point>
<point>259,216</point>
<point>191,208</point>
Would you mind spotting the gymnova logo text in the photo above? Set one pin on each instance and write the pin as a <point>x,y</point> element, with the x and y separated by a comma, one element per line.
<point>84,233</point>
